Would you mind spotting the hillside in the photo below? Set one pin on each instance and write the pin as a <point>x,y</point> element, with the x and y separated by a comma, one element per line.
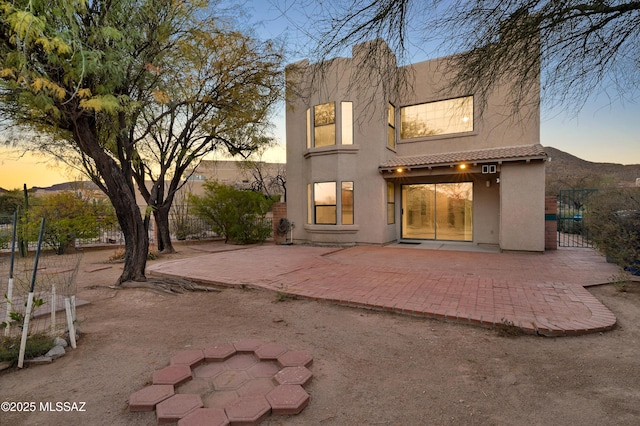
<point>566,171</point>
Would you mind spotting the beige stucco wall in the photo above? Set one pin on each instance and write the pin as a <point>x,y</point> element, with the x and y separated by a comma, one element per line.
<point>486,210</point>
<point>355,163</point>
<point>496,126</point>
<point>522,207</point>
<point>358,163</point>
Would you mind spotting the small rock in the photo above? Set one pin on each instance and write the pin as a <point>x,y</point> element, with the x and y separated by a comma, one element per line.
<point>66,336</point>
<point>4,365</point>
<point>55,352</point>
<point>59,341</point>
<point>40,360</point>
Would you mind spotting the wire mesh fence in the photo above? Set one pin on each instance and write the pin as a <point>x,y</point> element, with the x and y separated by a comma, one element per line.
<point>54,288</point>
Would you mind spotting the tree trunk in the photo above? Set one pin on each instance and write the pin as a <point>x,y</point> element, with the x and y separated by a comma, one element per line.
<point>161,215</point>
<point>136,239</point>
<point>120,191</point>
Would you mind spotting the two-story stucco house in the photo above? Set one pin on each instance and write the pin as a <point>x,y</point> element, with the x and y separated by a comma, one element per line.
<point>366,165</point>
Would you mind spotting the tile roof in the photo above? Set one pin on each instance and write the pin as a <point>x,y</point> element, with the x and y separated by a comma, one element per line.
<point>503,154</point>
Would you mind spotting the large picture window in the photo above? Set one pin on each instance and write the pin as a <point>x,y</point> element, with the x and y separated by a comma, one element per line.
<point>324,124</point>
<point>437,118</point>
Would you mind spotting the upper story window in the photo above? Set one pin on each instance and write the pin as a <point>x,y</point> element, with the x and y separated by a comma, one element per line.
<point>324,124</point>
<point>323,121</point>
<point>437,118</point>
<point>347,122</point>
<point>391,126</point>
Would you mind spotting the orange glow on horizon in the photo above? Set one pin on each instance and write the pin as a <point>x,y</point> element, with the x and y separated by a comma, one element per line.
<point>30,170</point>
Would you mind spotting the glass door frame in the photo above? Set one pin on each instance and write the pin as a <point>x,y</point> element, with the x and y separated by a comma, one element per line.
<point>453,223</point>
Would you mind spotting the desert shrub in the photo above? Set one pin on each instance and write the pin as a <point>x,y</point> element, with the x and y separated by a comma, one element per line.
<point>613,218</point>
<point>237,215</point>
<point>68,216</point>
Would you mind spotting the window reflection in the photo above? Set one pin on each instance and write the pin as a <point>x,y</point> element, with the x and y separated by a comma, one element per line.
<point>437,118</point>
<point>391,128</point>
<point>324,200</point>
<point>324,122</point>
<point>442,211</point>
<point>346,199</point>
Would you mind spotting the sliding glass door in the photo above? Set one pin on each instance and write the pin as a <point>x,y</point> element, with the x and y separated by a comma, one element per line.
<point>442,211</point>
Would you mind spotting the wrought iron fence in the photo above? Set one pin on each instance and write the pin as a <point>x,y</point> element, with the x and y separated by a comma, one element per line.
<point>572,229</point>
<point>182,227</point>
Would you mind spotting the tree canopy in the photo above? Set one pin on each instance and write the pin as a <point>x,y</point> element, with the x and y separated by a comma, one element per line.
<point>87,73</point>
<point>584,46</point>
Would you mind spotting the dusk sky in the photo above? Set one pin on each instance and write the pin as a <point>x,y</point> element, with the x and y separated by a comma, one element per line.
<point>605,130</point>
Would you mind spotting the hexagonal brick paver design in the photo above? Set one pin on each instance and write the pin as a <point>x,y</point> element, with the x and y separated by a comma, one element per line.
<point>198,386</point>
<point>172,375</point>
<point>209,370</point>
<point>230,380</point>
<point>227,384</point>
<point>247,345</point>
<point>270,351</point>
<point>263,370</point>
<point>220,399</point>
<point>147,398</point>
<point>178,406</point>
<point>192,358</point>
<point>295,359</point>
<point>205,417</point>
<point>250,410</point>
<point>219,352</point>
<point>293,376</point>
<point>256,387</point>
<point>241,361</point>
<point>288,399</point>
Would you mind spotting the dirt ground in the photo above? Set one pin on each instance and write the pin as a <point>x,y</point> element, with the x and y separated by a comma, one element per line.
<point>369,367</point>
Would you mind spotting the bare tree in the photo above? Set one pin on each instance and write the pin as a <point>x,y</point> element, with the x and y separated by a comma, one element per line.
<point>578,48</point>
<point>268,178</point>
<point>219,99</point>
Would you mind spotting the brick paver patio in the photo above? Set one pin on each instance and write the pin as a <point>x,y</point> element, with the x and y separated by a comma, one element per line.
<point>539,293</point>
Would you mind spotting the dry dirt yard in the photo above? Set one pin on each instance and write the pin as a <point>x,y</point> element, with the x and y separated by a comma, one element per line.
<point>369,367</point>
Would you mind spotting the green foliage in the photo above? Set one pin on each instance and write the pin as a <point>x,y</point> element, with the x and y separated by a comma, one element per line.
<point>613,218</point>
<point>68,216</point>
<point>9,202</point>
<point>236,214</point>
<point>37,345</point>
<point>620,281</point>
<point>17,316</point>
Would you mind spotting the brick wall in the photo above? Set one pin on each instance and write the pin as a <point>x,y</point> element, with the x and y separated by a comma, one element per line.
<point>550,223</point>
<point>279,212</point>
